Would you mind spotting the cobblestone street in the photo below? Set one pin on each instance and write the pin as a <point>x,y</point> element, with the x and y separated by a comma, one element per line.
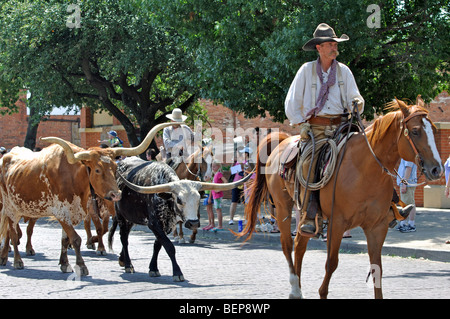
<point>213,269</point>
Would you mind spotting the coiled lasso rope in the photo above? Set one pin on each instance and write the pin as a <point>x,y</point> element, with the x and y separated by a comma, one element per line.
<point>329,169</point>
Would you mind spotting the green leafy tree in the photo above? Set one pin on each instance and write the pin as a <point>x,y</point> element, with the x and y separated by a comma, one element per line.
<point>247,52</point>
<point>105,54</point>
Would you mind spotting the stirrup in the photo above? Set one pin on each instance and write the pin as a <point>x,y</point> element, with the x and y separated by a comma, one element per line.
<point>317,230</point>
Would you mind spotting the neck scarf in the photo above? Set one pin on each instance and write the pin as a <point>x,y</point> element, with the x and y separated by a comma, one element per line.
<point>325,87</point>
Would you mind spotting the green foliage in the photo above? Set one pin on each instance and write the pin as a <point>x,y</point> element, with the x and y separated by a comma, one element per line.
<point>118,60</point>
<point>247,52</point>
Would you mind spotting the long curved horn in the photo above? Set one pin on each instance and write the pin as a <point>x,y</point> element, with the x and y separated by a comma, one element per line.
<point>141,148</point>
<point>71,157</point>
<point>163,188</point>
<point>224,186</point>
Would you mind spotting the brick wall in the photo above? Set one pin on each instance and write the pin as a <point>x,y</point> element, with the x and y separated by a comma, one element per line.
<point>13,128</point>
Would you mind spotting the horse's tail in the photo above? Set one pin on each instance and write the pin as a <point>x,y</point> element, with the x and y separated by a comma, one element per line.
<point>111,232</point>
<point>257,188</point>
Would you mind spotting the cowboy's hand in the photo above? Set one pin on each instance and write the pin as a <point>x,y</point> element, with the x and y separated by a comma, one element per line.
<point>304,130</point>
<point>358,103</point>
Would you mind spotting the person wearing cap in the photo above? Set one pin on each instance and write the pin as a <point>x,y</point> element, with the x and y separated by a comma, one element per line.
<point>177,139</point>
<point>321,92</point>
<point>113,141</point>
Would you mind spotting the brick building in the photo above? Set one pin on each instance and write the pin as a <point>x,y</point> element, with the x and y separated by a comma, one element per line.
<point>86,128</point>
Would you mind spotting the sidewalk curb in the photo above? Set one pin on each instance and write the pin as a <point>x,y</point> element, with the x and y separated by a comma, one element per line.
<point>318,244</point>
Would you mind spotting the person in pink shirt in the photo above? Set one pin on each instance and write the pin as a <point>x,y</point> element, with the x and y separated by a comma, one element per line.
<point>217,196</point>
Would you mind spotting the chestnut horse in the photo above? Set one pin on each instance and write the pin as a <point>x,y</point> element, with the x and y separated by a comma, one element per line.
<point>363,190</point>
<point>196,168</point>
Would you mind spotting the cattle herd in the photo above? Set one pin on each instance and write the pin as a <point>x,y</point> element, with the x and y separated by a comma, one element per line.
<point>72,184</point>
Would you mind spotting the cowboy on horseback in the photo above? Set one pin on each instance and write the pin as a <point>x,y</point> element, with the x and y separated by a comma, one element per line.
<point>319,100</point>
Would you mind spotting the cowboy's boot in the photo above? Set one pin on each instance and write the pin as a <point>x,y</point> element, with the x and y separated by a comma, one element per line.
<point>404,212</point>
<point>308,227</point>
<point>400,214</point>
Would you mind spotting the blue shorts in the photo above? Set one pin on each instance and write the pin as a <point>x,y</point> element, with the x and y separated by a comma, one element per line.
<point>236,195</point>
<point>205,201</point>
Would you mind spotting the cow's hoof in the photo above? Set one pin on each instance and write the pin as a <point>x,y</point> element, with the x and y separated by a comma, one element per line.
<point>101,252</point>
<point>129,270</point>
<point>83,271</point>
<point>66,268</point>
<point>30,252</point>
<point>3,261</point>
<point>18,264</point>
<point>90,246</point>
<point>179,278</point>
<point>152,273</point>
<point>181,240</point>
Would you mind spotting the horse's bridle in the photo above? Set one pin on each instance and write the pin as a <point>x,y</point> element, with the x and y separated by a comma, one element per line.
<point>405,131</point>
<point>419,160</point>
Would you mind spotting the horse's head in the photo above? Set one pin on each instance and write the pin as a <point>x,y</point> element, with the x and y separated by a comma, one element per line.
<point>207,159</point>
<point>416,141</point>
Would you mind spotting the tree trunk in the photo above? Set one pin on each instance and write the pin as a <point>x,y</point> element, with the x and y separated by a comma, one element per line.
<point>30,138</point>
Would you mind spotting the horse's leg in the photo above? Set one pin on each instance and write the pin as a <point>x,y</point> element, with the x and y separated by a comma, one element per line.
<point>301,242</point>
<point>375,239</point>
<point>333,244</point>
<point>283,204</point>
<point>29,247</point>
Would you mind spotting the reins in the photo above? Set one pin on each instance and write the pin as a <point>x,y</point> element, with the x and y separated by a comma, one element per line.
<point>341,156</point>
<point>406,133</point>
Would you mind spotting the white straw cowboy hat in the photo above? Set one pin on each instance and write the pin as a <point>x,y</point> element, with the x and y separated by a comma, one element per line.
<point>323,33</point>
<point>177,115</point>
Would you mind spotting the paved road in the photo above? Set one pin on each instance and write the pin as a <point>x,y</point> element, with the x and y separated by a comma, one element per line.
<point>214,269</point>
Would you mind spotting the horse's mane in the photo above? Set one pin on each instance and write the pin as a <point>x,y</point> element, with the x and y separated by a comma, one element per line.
<point>381,125</point>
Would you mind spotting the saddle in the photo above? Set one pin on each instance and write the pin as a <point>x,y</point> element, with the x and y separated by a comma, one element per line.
<point>290,155</point>
<point>288,159</point>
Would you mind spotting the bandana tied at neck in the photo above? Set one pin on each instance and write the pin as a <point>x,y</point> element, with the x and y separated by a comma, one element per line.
<point>325,87</point>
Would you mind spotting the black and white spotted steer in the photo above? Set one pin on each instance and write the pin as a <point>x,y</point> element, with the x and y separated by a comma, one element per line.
<point>153,195</point>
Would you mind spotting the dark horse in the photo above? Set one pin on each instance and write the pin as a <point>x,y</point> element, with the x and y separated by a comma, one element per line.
<point>197,167</point>
<point>363,190</point>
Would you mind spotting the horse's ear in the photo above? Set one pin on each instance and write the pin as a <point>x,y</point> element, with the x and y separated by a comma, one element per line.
<point>419,101</point>
<point>403,107</point>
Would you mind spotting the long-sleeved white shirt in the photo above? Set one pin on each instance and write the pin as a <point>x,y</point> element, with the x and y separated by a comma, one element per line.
<point>299,98</point>
<point>177,137</point>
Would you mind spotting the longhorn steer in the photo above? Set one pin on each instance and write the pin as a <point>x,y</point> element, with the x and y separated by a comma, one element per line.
<point>156,197</point>
<point>56,182</point>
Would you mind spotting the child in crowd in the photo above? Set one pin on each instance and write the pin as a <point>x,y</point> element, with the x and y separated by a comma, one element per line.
<point>113,141</point>
<point>217,196</point>
<point>208,202</point>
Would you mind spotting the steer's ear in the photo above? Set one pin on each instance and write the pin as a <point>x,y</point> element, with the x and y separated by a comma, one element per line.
<point>165,196</point>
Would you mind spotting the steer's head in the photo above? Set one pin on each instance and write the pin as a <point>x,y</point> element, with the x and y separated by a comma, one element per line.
<point>185,194</point>
<point>187,198</point>
<point>100,163</point>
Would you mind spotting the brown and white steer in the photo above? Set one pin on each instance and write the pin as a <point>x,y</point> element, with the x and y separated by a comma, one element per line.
<point>57,182</point>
